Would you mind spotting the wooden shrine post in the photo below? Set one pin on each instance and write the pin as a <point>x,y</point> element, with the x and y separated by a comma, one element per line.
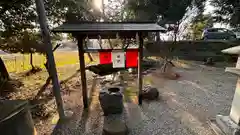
<point>140,58</point>
<point>52,66</point>
<point>83,72</point>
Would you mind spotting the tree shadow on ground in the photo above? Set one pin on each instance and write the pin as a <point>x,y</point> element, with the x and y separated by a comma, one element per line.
<point>71,77</point>
<point>45,96</point>
<point>31,71</point>
<point>9,86</point>
<point>79,122</point>
<point>48,81</point>
<point>72,124</point>
<point>92,90</point>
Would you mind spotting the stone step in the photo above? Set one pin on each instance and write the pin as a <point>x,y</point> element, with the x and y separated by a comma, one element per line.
<point>115,125</point>
<point>226,124</point>
<point>213,124</point>
<point>132,120</point>
<point>233,70</point>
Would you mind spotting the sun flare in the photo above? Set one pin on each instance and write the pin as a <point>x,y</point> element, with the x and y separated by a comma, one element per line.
<point>99,3</point>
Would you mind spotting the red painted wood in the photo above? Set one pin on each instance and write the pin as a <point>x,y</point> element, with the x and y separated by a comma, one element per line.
<point>105,57</point>
<point>131,58</point>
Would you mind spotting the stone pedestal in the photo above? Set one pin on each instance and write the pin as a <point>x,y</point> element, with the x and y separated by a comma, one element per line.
<point>235,110</point>
<point>225,125</point>
<point>230,124</point>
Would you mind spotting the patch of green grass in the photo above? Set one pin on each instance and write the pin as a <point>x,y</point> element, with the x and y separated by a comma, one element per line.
<point>147,80</point>
<point>33,83</point>
<point>130,91</point>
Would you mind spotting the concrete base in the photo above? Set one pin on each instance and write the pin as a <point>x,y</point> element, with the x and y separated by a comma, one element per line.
<point>215,128</point>
<point>223,125</point>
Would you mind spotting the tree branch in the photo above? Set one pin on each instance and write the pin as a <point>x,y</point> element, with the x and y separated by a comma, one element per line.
<point>8,6</point>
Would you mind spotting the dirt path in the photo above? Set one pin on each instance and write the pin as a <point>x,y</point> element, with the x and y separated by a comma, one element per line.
<point>87,122</point>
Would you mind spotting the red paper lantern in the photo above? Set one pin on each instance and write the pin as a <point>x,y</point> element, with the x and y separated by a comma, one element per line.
<point>131,58</point>
<point>105,57</point>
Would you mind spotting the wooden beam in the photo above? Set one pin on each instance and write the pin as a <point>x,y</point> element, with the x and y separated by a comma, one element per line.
<point>50,57</point>
<point>107,35</point>
<point>86,46</point>
<point>83,72</point>
<point>101,50</point>
<point>140,58</point>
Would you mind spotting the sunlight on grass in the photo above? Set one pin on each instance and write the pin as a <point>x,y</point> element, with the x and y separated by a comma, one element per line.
<point>63,73</point>
<point>182,64</point>
<point>130,91</point>
<point>131,95</point>
<point>21,62</point>
<point>147,80</point>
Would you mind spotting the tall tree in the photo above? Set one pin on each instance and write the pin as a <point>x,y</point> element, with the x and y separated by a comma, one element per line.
<point>164,12</point>
<point>16,16</point>
<point>72,10</point>
<point>198,24</point>
<point>115,10</point>
<point>227,11</point>
<point>19,16</point>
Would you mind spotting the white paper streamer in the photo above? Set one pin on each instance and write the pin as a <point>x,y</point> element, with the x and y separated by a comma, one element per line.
<point>118,59</point>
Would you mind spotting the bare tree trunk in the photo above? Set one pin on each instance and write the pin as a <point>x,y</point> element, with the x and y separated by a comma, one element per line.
<point>176,30</point>
<point>49,77</point>
<point>50,57</point>
<point>90,57</point>
<point>89,54</point>
<point>158,36</point>
<point>43,88</point>
<point>31,60</point>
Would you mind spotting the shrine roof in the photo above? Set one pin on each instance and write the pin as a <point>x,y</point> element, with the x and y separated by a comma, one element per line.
<point>93,29</point>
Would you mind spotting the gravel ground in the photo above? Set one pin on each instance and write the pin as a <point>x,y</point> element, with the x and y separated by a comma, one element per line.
<point>186,104</point>
<point>183,109</point>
